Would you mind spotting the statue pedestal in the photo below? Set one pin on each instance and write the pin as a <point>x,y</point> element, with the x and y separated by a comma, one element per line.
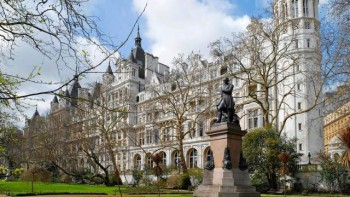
<point>221,182</point>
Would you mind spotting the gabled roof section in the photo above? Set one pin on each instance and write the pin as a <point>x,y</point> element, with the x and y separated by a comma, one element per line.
<point>154,79</point>
<point>55,99</point>
<point>96,91</point>
<point>109,70</point>
<point>66,94</point>
<point>36,113</point>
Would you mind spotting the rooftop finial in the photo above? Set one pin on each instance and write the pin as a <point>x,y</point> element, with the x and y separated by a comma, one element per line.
<point>138,30</point>
<point>138,37</point>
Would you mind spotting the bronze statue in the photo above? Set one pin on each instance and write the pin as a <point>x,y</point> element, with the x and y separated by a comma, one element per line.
<point>226,104</point>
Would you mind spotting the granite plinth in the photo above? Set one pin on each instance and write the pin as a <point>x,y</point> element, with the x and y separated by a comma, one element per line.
<point>221,182</point>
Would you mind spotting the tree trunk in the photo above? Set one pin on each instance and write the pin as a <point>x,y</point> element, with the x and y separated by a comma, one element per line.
<point>116,174</point>
<point>182,157</point>
<point>117,177</point>
<point>272,179</point>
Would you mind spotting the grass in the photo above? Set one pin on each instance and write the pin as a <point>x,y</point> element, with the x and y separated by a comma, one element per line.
<point>16,188</point>
<point>39,187</point>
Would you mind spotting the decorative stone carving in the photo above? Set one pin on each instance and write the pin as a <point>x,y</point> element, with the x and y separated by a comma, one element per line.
<point>209,164</point>
<point>226,163</point>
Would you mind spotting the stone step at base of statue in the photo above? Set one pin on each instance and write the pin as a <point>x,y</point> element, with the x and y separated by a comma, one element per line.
<point>225,191</point>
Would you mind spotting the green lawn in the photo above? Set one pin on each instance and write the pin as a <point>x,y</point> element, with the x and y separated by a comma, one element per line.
<point>26,187</point>
<point>16,188</point>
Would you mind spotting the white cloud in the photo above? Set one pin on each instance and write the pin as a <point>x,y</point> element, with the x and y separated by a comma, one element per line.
<point>183,26</point>
<point>26,58</point>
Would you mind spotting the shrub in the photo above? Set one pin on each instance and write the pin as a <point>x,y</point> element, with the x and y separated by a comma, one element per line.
<point>174,180</point>
<point>259,181</point>
<point>147,180</point>
<point>97,180</point>
<point>196,175</point>
<point>17,173</point>
<point>65,178</point>
<point>3,171</point>
<point>185,181</point>
<point>137,175</point>
<point>36,174</point>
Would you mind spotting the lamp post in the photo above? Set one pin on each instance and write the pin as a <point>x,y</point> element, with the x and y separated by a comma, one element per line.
<point>309,156</point>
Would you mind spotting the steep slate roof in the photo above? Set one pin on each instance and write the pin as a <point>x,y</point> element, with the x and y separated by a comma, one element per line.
<point>109,70</point>
<point>55,99</point>
<point>36,113</point>
<point>137,53</point>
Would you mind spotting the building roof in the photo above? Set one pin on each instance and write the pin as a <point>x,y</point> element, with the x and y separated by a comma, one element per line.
<point>55,99</point>
<point>36,113</point>
<point>137,54</point>
<point>109,69</point>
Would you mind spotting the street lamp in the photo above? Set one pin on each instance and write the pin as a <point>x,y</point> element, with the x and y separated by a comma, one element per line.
<point>309,156</point>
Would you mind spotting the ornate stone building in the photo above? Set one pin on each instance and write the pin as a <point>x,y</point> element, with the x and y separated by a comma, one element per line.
<point>142,120</point>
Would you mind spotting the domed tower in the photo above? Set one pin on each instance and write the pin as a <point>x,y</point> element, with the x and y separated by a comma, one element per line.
<point>297,24</point>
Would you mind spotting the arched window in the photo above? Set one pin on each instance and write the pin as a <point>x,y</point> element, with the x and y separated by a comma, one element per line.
<point>176,159</point>
<point>192,158</point>
<point>137,161</point>
<point>163,156</point>
<point>208,155</point>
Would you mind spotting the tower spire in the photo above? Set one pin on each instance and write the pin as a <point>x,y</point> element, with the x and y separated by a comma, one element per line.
<point>138,38</point>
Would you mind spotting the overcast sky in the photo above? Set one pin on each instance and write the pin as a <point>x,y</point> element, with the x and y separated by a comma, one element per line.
<point>168,27</point>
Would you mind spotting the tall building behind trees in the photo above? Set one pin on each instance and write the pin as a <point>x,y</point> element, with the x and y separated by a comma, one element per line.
<point>142,106</point>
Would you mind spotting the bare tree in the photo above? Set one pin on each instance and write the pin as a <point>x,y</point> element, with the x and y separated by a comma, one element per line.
<point>335,37</point>
<point>50,143</point>
<point>266,61</point>
<point>184,99</point>
<point>104,128</point>
<point>55,29</point>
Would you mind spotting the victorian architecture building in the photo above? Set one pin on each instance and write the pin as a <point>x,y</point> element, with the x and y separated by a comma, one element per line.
<point>134,104</point>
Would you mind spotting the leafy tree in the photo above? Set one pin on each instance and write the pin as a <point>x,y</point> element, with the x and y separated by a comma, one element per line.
<point>344,136</point>
<point>262,147</point>
<point>332,172</point>
<point>11,142</point>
